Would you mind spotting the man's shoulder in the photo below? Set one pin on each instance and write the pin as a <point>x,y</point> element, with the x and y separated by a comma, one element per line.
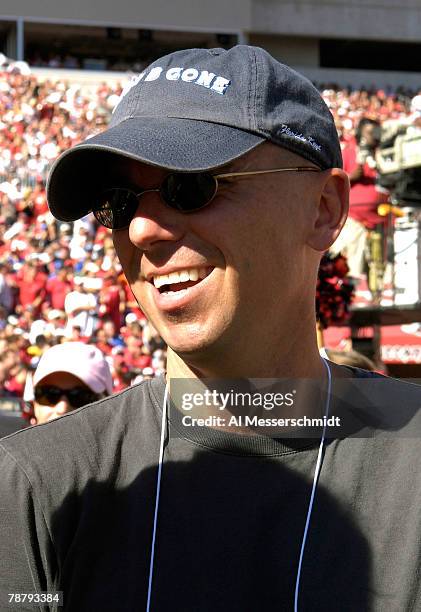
<point>89,436</point>
<point>387,382</point>
<point>382,406</point>
<point>386,386</point>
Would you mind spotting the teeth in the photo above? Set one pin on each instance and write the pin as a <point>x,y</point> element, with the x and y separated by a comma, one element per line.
<point>182,276</point>
<point>160,280</point>
<point>174,277</point>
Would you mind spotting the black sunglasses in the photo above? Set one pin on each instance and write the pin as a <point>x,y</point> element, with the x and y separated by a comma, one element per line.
<point>49,395</point>
<point>184,191</point>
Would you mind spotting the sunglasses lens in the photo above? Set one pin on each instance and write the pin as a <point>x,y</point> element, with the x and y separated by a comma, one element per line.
<point>47,396</point>
<point>77,397</point>
<point>80,397</point>
<point>116,208</point>
<point>188,192</point>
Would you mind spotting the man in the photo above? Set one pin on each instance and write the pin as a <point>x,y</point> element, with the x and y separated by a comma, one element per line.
<point>58,286</point>
<point>68,376</point>
<point>141,512</point>
<point>31,282</point>
<point>79,306</point>
<point>365,196</point>
<point>111,304</point>
<point>6,296</point>
<point>360,165</point>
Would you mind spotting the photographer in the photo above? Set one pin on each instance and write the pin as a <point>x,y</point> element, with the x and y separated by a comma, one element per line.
<point>365,195</point>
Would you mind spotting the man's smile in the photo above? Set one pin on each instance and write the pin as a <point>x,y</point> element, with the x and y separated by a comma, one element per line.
<point>179,279</point>
<point>178,288</point>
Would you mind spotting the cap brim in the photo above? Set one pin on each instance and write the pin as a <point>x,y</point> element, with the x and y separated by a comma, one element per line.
<point>184,145</point>
<point>40,374</point>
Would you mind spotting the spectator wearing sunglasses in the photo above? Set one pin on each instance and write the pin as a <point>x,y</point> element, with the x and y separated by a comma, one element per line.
<point>69,376</point>
<point>221,178</point>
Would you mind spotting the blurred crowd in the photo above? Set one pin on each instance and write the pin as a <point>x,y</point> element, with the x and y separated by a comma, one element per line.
<point>349,106</point>
<point>61,281</point>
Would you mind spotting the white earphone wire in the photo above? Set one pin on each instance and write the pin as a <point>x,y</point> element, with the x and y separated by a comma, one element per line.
<point>314,487</point>
<point>158,490</point>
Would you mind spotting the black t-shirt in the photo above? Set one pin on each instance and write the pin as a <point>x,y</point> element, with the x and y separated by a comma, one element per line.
<point>77,500</point>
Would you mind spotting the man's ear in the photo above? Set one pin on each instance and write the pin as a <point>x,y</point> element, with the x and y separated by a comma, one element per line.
<point>332,210</point>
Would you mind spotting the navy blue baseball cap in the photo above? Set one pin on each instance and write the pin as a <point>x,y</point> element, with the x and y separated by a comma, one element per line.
<point>195,110</point>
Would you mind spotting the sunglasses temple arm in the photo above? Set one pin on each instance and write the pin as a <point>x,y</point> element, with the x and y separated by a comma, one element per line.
<point>253,172</point>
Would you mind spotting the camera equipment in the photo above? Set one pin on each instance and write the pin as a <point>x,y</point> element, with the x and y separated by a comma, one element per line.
<point>407,255</point>
<point>399,165</point>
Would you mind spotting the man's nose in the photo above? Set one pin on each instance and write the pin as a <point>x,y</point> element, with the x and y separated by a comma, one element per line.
<point>155,222</point>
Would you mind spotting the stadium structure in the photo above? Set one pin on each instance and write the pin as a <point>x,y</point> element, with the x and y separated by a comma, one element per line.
<point>357,42</point>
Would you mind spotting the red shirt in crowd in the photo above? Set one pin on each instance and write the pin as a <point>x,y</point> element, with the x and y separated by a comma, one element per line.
<point>364,197</point>
<point>39,201</point>
<point>14,387</point>
<point>32,288</point>
<point>139,362</point>
<point>57,289</point>
<point>133,356</point>
<point>109,300</point>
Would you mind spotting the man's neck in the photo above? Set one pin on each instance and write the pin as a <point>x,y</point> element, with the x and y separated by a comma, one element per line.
<point>287,365</point>
<point>305,383</point>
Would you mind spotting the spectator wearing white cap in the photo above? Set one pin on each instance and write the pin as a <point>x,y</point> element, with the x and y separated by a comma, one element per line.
<point>68,376</point>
